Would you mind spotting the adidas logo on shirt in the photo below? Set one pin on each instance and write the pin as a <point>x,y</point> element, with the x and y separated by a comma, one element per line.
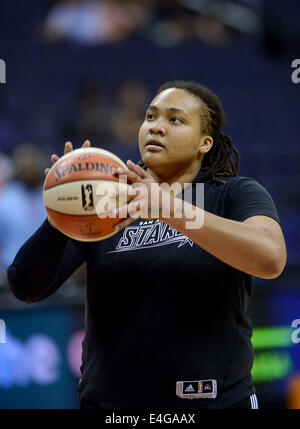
<point>189,389</point>
<point>196,389</point>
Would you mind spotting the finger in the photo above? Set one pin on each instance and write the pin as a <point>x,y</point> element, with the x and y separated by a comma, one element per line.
<point>131,176</point>
<point>137,169</point>
<point>87,143</point>
<point>125,210</point>
<point>54,158</point>
<point>123,224</point>
<point>134,209</point>
<point>47,171</point>
<point>127,193</point>
<point>120,212</point>
<point>68,147</point>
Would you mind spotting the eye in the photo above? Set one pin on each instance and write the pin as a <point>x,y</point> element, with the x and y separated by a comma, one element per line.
<point>150,116</point>
<point>176,120</point>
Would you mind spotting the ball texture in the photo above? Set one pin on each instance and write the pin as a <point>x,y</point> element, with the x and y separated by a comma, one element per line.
<point>79,188</point>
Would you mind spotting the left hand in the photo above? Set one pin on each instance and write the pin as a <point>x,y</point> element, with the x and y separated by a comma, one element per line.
<point>143,185</point>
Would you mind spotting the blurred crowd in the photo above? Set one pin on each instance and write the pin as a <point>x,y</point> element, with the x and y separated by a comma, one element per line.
<point>111,126</point>
<point>166,22</point>
<point>48,106</point>
<point>21,203</point>
<point>111,123</point>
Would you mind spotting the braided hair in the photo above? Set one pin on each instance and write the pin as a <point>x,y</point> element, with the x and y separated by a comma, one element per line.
<point>219,161</point>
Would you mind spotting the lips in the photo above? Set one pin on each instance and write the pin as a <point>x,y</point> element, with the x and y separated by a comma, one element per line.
<point>154,142</point>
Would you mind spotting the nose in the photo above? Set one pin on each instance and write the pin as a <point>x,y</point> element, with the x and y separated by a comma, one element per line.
<point>158,128</point>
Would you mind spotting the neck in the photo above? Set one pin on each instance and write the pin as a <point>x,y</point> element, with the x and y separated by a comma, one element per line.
<point>181,176</point>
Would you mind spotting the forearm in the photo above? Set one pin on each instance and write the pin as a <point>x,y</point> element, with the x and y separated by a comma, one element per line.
<point>246,247</point>
<point>34,271</point>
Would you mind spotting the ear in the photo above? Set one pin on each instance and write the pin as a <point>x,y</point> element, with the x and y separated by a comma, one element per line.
<point>205,144</point>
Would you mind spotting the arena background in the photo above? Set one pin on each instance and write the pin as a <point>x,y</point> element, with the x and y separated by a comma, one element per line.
<point>86,69</point>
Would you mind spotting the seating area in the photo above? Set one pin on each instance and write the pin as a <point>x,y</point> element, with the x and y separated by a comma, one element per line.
<point>44,80</point>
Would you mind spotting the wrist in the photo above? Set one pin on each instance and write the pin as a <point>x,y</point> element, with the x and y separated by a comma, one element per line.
<point>171,207</point>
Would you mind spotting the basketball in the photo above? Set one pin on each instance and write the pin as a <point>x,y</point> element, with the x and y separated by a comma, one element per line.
<point>79,189</point>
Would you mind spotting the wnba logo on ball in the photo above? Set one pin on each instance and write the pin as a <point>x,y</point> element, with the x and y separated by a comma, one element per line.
<point>87,197</point>
<point>2,331</point>
<point>2,71</point>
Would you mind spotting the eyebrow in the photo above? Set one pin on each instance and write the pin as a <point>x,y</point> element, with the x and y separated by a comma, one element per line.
<point>169,109</point>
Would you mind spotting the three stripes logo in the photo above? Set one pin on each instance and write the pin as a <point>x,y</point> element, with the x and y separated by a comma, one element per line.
<point>189,389</point>
<point>253,401</point>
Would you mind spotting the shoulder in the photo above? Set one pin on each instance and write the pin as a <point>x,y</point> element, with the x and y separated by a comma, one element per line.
<point>238,189</point>
<point>233,184</point>
<point>239,180</point>
<point>239,184</point>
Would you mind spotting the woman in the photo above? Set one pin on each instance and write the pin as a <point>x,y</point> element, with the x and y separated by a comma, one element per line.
<point>166,322</point>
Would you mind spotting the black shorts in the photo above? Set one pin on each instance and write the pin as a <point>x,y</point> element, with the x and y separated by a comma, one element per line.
<point>249,403</point>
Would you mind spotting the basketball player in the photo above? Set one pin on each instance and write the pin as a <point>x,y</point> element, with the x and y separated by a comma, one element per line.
<point>166,322</point>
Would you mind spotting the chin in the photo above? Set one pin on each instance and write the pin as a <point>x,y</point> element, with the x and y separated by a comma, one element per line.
<point>153,162</point>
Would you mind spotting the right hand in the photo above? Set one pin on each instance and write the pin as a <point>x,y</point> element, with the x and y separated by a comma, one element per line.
<point>68,148</point>
<point>55,158</point>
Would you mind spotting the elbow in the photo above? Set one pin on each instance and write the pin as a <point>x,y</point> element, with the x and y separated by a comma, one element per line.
<point>18,286</point>
<point>22,297</point>
<point>275,265</point>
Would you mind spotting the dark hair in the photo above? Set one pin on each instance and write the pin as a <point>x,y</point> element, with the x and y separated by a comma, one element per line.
<point>219,160</point>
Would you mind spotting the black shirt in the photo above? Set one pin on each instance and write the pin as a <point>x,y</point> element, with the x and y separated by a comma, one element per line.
<point>159,309</point>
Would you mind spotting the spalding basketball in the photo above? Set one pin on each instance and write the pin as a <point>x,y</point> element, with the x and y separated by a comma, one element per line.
<point>78,189</point>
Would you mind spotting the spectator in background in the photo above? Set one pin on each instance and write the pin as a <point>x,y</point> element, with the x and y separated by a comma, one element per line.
<point>90,116</point>
<point>111,127</point>
<point>213,22</point>
<point>91,22</point>
<point>92,113</point>
<point>5,171</point>
<point>127,116</point>
<point>210,30</point>
<point>21,203</point>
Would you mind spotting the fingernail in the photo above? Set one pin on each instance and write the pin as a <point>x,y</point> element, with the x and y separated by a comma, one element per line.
<point>119,171</point>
